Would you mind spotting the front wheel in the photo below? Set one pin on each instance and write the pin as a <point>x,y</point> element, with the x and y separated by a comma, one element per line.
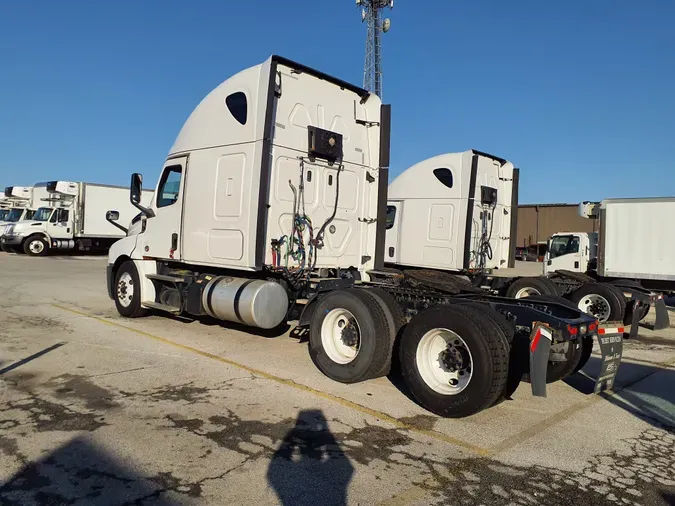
<point>127,292</point>
<point>454,360</point>
<point>36,246</point>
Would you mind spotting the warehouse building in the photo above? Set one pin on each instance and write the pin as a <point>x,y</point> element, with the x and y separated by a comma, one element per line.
<point>537,222</point>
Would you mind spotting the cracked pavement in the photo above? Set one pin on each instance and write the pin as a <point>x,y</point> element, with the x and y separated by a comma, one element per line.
<point>95,409</point>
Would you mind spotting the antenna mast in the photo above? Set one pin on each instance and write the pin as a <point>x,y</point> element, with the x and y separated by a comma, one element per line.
<point>371,14</point>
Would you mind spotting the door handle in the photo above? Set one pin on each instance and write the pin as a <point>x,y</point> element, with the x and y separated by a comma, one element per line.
<point>549,262</point>
<point>576,265</point>
<point>174,242</point>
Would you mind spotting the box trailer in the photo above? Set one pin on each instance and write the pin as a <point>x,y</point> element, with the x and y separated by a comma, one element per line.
<point>271,207</point>
<point>71,215</point>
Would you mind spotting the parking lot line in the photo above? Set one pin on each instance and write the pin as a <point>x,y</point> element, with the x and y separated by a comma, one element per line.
<point>565,414</point>
<point>344,402</point>
<point>542,426</point>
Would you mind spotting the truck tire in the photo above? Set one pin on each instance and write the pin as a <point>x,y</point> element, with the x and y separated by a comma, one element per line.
<point>644,310</point>
<point>475,357</point>
<point>601,300</point>
<point>127,291</point>
<point>358,354</point>
<point>524,287</point>
<point>507,328</point>
<point>397,320</point>
<point>36,246</point>
<point>557,371</point>
<point>586,350</point>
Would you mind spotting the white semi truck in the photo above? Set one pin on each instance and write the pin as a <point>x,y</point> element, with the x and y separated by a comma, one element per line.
<point>271,208</point>
<point>451,224</point>
<point>430,191</point>
<point>72,215</point>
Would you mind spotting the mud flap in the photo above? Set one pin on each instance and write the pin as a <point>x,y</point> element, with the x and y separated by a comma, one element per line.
<point>610,339</point>
<point>540,346</point>
<point>662,317</point>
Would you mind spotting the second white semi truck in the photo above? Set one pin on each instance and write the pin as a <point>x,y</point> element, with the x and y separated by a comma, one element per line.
<point>71,216</point>
<point>271,207</point>
<point>451,223</point>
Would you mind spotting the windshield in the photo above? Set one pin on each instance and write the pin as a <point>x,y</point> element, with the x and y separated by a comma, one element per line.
<point>14,215</point>
<point>3,214</point>
<point>563,245</point>
<point>43,214</point>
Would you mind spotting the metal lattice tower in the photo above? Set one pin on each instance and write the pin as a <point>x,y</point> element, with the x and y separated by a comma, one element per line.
<point>372,16</point>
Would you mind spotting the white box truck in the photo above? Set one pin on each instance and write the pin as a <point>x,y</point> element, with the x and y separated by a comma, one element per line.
<point>17,205</point>
<point>633,248</point>
<point>72,215</point>
<point>271,208</point>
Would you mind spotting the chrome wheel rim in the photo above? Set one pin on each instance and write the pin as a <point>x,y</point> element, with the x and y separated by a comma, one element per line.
<point>526,292</point>
<point>36,246</point>
<point>341,336</point>
<point>595,305</point>
<point>125,289</point>
<point>444,361</point>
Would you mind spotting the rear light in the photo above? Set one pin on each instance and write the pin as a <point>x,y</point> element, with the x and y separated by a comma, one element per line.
<point>592,326</point>
<point>572,330</point>
<point>582,329</point>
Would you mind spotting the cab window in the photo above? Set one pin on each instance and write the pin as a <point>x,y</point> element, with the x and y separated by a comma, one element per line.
<point>169,186</point>
<point>563,245</point>
<point>391,216</point>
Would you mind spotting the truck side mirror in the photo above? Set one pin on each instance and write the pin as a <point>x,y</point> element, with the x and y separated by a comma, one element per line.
<point>136,188</point>
<point>137,192</point>
<point>111,217</point>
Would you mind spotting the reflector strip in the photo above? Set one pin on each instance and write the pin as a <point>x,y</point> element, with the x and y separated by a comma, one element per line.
<point>616,330</point>
<point>535,341</point>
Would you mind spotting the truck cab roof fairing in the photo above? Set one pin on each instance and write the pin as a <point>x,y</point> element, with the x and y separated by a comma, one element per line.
<point>212,123</point>
<point>419,181</point>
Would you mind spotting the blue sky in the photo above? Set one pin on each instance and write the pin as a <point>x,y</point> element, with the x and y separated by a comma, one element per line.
<point>578,94</point>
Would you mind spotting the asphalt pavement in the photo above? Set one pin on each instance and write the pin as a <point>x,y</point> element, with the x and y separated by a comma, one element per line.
<point>98,409</point>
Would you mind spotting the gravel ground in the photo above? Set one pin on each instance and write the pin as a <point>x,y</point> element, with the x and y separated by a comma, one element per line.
<point>96,409</point>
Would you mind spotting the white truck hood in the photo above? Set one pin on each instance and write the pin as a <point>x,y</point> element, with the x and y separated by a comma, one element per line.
<point>25,226</point>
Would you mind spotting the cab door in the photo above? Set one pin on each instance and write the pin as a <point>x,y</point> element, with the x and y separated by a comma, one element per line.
<point>162,235</point>
<point>59,225</point>
<point>393,225</point>
<point>563,254</point>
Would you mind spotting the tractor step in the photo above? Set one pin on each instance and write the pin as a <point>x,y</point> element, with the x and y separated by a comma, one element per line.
<point>163,307</point>
<point>163,277</point>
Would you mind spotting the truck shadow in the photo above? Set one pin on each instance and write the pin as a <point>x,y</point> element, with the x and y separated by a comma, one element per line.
<point>310,467</point>
<point>80,472</point>
<point>643,390</point>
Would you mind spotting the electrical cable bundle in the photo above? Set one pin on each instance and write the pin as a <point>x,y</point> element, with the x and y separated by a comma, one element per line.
<point>303,253</point>
<point>484,252</point>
